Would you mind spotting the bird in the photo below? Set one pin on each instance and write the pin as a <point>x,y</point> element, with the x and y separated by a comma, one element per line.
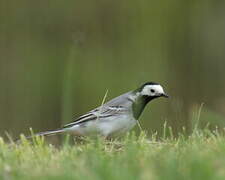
<point>115,117</point>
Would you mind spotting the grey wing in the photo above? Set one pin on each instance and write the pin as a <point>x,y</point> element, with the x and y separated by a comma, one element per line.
<point>99,113</point>
<point>118,105</point>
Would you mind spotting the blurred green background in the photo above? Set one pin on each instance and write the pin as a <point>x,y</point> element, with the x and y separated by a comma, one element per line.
<point>58,58</point>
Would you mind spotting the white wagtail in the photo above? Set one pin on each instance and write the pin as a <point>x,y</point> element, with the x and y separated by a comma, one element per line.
<point>116,116</point>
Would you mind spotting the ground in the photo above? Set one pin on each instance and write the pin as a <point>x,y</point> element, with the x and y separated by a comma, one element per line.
<point>198,156</point>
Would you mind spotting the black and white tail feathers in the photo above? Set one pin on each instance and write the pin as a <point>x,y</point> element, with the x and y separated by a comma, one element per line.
<point>49,133</point>
<point>45,133</point>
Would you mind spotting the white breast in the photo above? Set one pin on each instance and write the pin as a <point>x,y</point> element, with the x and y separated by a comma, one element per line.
<point>108,127</point>
<point>115,126</point>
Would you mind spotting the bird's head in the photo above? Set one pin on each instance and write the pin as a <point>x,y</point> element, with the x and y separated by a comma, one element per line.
<point>145,94</point>
<point>152,90</point>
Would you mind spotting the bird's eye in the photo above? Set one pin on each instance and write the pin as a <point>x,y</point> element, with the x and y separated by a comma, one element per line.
<point>152,90</point>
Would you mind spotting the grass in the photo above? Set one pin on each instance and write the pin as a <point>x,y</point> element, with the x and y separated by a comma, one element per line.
<point>199,156</point>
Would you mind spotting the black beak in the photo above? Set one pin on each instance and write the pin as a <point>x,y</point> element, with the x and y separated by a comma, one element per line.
<point>165,95</point>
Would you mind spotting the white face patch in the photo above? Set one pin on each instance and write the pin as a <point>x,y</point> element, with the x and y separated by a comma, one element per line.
<point>152,90</point>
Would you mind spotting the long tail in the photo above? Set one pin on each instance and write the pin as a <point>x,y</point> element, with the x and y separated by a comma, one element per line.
<point>46,133</point>
<point>50,133</point>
